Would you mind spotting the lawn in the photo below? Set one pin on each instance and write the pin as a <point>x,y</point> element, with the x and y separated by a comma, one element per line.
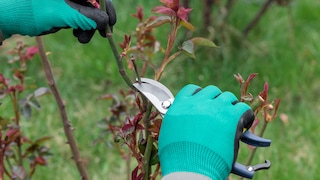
<point>283,48</point>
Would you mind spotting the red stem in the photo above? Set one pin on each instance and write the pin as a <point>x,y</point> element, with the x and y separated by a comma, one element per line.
<point>171,40</point>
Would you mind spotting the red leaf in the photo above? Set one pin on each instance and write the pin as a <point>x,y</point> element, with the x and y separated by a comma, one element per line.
<point>251,77</point>
<point>126,127</point>
<point>264,93</point>
<point>164,10</point>
<point>139,127</point>
<point>19,76</point>
<point>3,80</point>
<point>277,104</point>
<point>254,125</point>
<point>140,176</point>
<point>246,84</point>
<point>31,51</point>
<point>239,78</point>
<point>11,135</point>
<point>172,4</point>
<point>126,42</point>
<point>11,132</point>
<point>113,128</point>
<point>134,173</point>
<point>15,88</point>
<point>137,118</point>
<point>183,13</point>
<point>139,14</point>
<point>40,160</point>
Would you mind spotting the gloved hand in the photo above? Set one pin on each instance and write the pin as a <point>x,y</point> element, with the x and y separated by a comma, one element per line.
<point>39,17</point>
<point>200,132</point>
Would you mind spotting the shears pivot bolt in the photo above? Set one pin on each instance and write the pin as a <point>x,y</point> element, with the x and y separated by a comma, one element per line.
<point>166,104</point>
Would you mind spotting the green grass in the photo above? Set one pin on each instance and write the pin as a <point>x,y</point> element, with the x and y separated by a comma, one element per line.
<point>283,48</point>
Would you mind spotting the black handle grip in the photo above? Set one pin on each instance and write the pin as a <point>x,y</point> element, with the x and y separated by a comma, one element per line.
<point>254,140</point>
<point>248,171</point>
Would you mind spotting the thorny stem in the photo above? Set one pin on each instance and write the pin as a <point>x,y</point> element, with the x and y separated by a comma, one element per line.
<point>129,83</point>
<point>146,120</point>
<point>147,153</point>
<point>115,50</point>
<point>62,109</point>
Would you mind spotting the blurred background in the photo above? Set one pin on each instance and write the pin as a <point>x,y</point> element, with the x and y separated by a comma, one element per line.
<point>283,47</point>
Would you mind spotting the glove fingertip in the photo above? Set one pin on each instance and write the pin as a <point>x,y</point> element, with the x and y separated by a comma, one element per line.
<point>111,12</point>
<point>188,90</point>
<point>83,36</point>
<point>103,33</point>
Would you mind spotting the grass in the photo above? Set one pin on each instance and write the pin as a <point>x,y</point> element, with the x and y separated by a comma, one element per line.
<point>283,48</point>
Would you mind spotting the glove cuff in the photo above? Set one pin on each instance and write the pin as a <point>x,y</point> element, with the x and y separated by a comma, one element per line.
<point>192,157</point>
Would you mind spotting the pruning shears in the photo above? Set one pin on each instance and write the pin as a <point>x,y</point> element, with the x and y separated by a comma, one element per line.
<point>162,98</point>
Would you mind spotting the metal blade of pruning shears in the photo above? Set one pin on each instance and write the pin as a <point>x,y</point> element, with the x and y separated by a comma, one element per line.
<point>162,98</point>
<point>158,94</point>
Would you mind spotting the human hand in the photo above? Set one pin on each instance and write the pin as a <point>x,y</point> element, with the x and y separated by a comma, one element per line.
<point>200,132</point>
<point>38,17</point>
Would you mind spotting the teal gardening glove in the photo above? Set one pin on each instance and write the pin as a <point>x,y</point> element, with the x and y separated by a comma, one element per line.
<point>39,17</point>
<point>200,132</point>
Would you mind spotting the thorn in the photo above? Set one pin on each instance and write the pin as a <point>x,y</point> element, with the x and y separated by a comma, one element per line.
<point>64,103</point>
<point>108,35</point>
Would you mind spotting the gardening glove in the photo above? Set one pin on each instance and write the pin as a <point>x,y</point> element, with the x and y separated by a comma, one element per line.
<point>200,133</point>
<point>39,17</point>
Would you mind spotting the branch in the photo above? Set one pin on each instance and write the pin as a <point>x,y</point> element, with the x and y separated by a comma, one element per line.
<point>146,162</point>
<point>256,19</point>
<point>61,105</point>
<point>147,153</point>
<point>114,49</point>
<point>208,4</point>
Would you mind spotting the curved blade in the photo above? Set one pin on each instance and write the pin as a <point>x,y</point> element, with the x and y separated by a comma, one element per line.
<point>158,94</point>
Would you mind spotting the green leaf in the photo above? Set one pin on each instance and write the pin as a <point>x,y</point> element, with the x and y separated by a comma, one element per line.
<point>154,159</point>
<point>41,91</point>
<point>188,48</point>
<point>26,111</point>
<point>34,103</point>
<point>158,22</point>
<point>199,41</point>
